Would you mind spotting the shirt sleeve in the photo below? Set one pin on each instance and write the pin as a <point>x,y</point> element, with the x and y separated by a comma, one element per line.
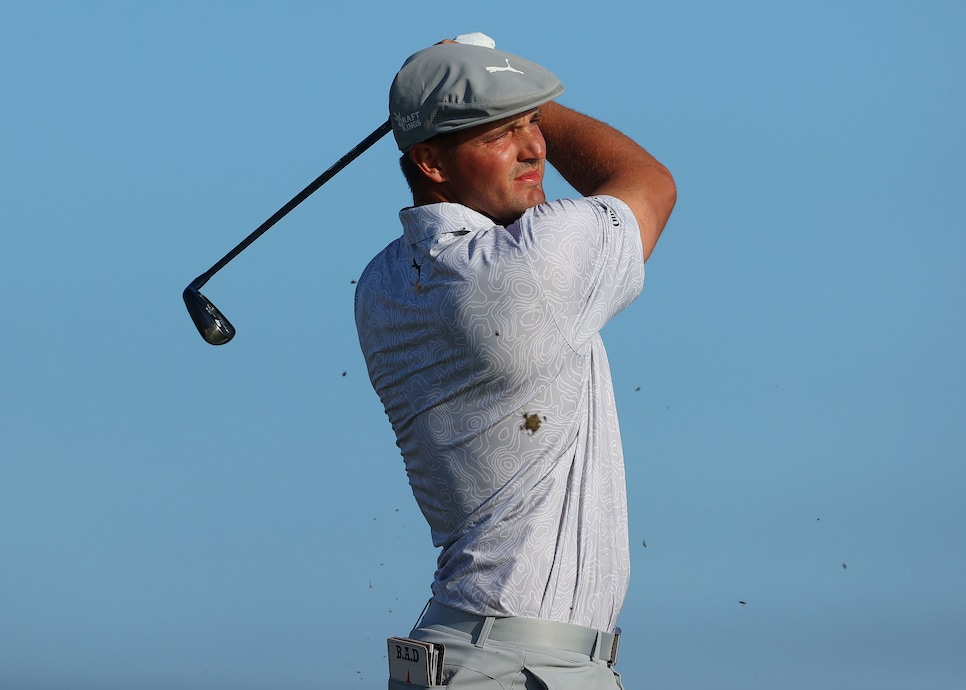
<point>587,255</point>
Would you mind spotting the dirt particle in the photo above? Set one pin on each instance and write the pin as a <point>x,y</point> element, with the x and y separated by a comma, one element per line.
<point>531,422</point>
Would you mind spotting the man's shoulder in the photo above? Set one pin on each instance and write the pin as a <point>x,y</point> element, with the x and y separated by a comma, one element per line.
<point>591,221</point>
<point>584,209</point>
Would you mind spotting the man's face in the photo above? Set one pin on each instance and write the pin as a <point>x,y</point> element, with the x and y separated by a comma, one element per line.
<point>496,169</point>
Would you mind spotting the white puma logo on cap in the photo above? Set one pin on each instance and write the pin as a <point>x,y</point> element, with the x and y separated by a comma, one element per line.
<point>491,70</point>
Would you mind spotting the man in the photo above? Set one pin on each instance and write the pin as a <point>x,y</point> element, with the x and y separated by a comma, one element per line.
<point>480,328</point>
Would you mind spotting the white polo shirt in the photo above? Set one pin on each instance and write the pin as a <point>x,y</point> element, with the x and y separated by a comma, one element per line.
<point>483,344</point>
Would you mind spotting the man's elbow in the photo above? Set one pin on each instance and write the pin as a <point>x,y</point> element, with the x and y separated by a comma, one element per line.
<point>666,196</point>
<point>662,196</point>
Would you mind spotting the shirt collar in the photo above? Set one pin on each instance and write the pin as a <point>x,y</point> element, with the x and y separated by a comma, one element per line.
<point>423,222</point>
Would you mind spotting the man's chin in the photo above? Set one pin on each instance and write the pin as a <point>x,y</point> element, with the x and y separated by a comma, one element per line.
<point>537,198</point>
<point>511,214</point>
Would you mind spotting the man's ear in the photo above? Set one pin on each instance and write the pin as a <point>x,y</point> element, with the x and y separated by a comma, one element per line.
<point>426,157</point>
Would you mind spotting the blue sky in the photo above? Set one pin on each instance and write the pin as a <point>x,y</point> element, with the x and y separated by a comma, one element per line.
<point>791,383</point>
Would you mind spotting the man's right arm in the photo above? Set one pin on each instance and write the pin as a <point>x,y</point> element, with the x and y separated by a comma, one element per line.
<point>595,159</point>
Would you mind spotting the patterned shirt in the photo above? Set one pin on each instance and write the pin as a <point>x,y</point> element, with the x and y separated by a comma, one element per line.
<point>483,344</point>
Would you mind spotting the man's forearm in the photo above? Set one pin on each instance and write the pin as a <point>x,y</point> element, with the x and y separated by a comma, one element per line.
<point>595,158</point>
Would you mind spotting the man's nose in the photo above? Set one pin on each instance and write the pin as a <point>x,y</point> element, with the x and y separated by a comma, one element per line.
<point>533,146</point>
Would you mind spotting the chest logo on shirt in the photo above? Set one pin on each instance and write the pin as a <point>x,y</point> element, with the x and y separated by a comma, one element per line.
<point>419,275</point>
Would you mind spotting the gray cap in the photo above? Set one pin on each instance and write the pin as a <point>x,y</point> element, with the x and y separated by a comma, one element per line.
<point>451,86</point>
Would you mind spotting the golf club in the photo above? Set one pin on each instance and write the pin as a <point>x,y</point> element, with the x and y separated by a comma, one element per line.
<point>210,322</point>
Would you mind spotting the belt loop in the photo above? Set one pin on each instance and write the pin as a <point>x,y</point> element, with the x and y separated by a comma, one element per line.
<point>595,653</point>
<point>484,632</point>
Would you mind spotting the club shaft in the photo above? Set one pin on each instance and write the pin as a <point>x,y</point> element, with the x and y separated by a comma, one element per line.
<point>361,147</point>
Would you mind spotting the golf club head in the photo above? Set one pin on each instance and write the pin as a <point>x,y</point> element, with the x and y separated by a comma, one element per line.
<point>210,322</point>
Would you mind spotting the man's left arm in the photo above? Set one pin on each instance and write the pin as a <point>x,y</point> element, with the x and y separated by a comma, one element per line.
<point>596,159</point>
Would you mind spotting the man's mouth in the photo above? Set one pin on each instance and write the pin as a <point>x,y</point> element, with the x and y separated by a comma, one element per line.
<point>530,177</point>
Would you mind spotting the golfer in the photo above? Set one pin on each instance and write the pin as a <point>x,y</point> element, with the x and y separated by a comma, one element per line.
<point>480,328</point>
